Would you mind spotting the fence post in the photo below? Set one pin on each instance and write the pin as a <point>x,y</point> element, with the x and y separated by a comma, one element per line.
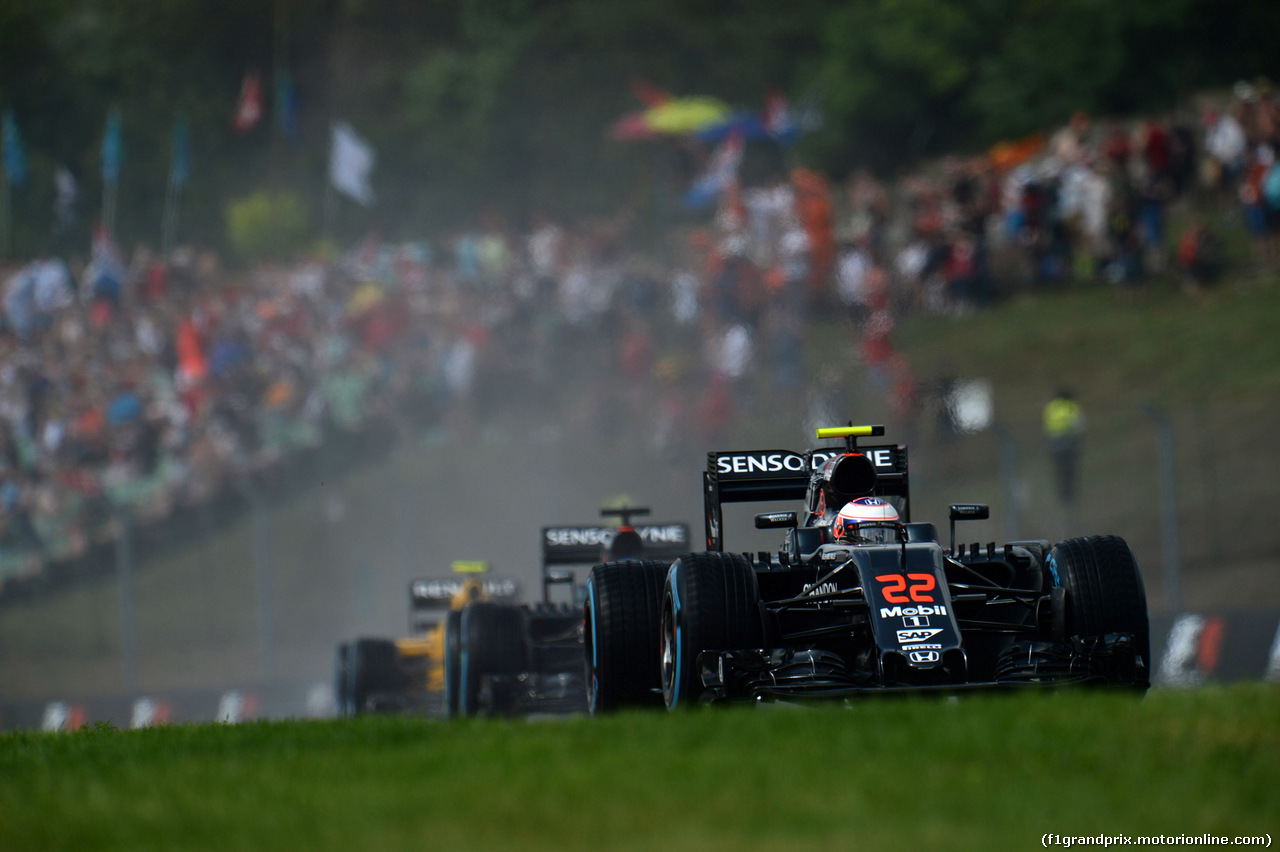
<point>1172,569</point>
<point>1012,483</point>
<point>261,556</point>
<point>128,600</point>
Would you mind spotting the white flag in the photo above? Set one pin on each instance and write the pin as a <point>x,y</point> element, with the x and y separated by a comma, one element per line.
<point>350,162</point>
<point>64,203</point>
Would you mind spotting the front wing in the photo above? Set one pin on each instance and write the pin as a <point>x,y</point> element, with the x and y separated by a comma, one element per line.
<point>775,674</point>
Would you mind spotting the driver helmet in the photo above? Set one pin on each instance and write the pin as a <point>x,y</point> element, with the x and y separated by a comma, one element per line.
<point>626,543</point>
<point>866,519</point>
<point>471,590</point>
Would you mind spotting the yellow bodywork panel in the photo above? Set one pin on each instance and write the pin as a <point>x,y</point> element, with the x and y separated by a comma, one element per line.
<point>423,655</point>
<point>429,648</point>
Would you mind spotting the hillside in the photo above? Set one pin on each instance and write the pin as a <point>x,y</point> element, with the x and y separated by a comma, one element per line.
<point>1209,361</point>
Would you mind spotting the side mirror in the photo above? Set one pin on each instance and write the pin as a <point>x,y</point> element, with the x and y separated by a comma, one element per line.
<point>967,512</point>
<point>776,520</point>
<point>970,512</point>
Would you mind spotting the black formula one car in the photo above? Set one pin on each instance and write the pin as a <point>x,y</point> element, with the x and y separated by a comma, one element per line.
<point>515,659</point>
<point>884,607</point>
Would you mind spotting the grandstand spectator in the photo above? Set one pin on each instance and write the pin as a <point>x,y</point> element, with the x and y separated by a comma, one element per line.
<point>1225,147</point>
<point>1199,255</point>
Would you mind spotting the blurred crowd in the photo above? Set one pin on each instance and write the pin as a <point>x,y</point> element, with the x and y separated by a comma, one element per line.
<point>1095,201</point>
<point>143,384</point>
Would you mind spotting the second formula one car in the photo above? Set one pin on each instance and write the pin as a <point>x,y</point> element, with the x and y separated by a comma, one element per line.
<point>859,599</point>
<point>509,659</point>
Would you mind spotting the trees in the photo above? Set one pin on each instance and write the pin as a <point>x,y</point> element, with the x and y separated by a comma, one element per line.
<point>505,103</point>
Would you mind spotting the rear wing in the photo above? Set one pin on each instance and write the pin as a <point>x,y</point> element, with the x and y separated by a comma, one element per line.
<point>586,545</point>
<point>430,597</point>
<point>758,476</point>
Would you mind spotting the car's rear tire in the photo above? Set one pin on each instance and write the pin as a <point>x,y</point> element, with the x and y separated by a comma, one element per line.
<point>1105,593</point>
<point>452,660</point>
<point>493,643</point>
<point>373,678</point>
<point>342,700</point>
<point>620,634</point>
<point>711,602</point>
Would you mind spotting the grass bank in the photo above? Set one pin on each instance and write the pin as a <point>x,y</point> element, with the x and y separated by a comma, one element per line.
<point>984,772</point>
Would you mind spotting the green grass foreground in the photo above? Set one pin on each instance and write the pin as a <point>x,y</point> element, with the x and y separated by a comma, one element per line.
<point>984,772</point>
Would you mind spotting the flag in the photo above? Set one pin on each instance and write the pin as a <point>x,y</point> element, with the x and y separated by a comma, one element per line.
<point>111,148</point>
<point>103,249</point>
<point>64,204</point>
<point>180,170</point>
<point>649,94</point>
<point>286,104</point>
<point>808,114</point>
<point>679,116</point>
<point>15,158</point>
<point>777,119</point>
<point>721,172</point>
<point>350,161</point>
<point>249,106</point>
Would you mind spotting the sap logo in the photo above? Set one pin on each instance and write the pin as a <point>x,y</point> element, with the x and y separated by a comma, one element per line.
<point>917,635</point>
<point>924,656</point>
<point>823,589</point>
<point>760,463</point>
<point>900,611</point>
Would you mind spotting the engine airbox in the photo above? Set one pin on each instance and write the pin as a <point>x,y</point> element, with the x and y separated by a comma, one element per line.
<point>848,476</point>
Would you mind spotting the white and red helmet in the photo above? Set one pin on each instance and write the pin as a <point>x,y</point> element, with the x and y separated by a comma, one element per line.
<point>879,516</point>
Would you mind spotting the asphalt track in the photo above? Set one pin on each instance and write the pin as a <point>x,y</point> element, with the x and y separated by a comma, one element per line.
<point>243,622</point>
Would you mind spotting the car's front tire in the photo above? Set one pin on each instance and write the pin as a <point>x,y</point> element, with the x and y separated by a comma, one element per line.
<point>620,634</point>
<point>1104,593</point>
<point>493,643</point>
<point>711,602</point>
